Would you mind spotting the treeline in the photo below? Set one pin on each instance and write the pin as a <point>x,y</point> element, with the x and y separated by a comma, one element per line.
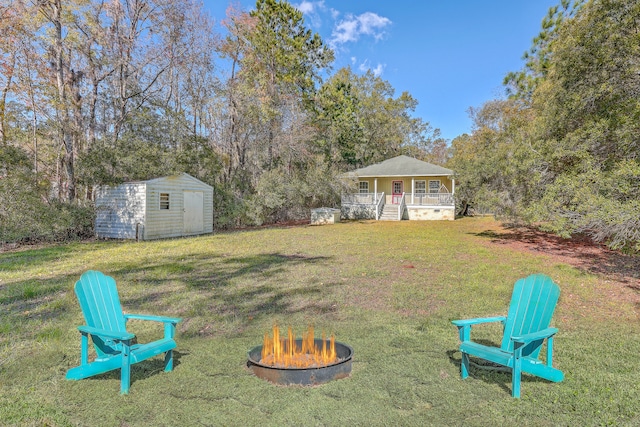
<point>563,150</point>
<point>106,91</point>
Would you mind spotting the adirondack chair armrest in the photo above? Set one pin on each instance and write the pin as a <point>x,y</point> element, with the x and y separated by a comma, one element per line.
<point>479,320</point>
<point>152,318</point>
<point>120,336</point>
<point>464,326</point>
<point>169,322</point>
<point>534,336</point>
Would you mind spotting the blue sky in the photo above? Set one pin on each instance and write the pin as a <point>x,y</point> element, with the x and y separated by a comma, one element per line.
<point>449,55</point>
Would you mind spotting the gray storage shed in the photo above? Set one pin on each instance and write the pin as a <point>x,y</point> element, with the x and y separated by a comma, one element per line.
<point>170,206</point>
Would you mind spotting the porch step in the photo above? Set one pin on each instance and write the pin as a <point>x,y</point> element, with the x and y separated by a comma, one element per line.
<point>389,213</point>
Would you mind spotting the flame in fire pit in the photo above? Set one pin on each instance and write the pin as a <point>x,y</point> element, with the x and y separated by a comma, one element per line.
<point>284,353</point>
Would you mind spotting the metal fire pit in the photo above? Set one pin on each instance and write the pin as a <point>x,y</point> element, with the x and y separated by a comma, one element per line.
<point>303,376</point>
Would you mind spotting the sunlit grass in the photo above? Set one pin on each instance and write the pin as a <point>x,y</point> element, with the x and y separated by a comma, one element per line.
<point>389,290</point>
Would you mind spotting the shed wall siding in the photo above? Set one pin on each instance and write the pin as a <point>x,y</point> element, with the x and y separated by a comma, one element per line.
<point>119,210</point>
<point>162,223</point>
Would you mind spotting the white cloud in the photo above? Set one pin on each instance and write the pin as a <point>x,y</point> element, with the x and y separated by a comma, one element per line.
<point>309,7</point>
<point>346,31</point>
<point>373,24</point>
<point>365,66</point>
<point>312,11</point>
<point>378,70</point>
<point>352,27</point>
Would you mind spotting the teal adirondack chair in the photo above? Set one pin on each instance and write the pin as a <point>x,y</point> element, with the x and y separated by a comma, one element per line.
<point>526,327</point>
<point>105,323</point>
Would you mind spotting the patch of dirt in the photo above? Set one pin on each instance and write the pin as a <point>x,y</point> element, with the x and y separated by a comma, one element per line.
<point>619,273</point>
<point>580,252</point>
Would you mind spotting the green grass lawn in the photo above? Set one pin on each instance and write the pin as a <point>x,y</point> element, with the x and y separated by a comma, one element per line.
<point>389,290</point>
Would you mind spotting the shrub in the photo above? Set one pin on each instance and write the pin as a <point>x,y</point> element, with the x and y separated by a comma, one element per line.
<point>27,216</point>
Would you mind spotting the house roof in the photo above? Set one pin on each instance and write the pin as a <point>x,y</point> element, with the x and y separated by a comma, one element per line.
<point>401,166</point>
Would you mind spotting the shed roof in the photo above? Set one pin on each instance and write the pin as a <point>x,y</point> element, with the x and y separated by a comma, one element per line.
<point>171,177</point>
<point>401,166</point>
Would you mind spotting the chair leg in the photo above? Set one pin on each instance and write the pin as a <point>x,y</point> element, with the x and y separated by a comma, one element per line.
<point>464,366</point>
<point>516,374</point>
<point>84,349</point>
<point>168,361</point>
<point>125,370</point>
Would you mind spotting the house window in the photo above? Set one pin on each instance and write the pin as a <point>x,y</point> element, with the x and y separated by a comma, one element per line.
<point>363,187</point>
<point>434,186</point>
<point>164,200</point>
<point>421,187</point>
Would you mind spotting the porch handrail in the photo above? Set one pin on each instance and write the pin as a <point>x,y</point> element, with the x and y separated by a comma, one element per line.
<point>440,199</point>
<point>380,206</point>
<point>402,207</point>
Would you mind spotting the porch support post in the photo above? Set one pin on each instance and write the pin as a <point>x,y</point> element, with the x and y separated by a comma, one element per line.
<point>375,190</point>
<point>453,186</point>
<point>413,187</point>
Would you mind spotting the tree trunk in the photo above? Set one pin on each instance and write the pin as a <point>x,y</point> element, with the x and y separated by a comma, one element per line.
<point>465,209</point>
<point>3,99</point>
<point>66,138</point>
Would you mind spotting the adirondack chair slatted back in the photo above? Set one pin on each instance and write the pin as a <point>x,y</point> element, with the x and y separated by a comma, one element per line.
<point>100,304</point>
<point>532,305</point>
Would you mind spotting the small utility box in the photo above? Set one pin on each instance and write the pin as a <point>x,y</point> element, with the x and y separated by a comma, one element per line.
<point>321,216</point>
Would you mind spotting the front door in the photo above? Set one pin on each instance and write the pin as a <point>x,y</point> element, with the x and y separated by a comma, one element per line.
<point>396,192</point>
<point>193,212</point>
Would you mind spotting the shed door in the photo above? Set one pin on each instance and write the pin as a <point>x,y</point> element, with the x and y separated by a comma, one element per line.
<point>193,212</point>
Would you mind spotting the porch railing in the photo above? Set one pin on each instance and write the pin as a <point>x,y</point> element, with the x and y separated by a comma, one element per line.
<point>362,198</point>
<point>422,199</point>
<point>380,206</point>
<point>402,207</point>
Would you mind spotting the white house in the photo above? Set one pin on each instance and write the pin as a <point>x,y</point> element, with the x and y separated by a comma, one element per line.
<point>170,206</point>
<point>401,188</point>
